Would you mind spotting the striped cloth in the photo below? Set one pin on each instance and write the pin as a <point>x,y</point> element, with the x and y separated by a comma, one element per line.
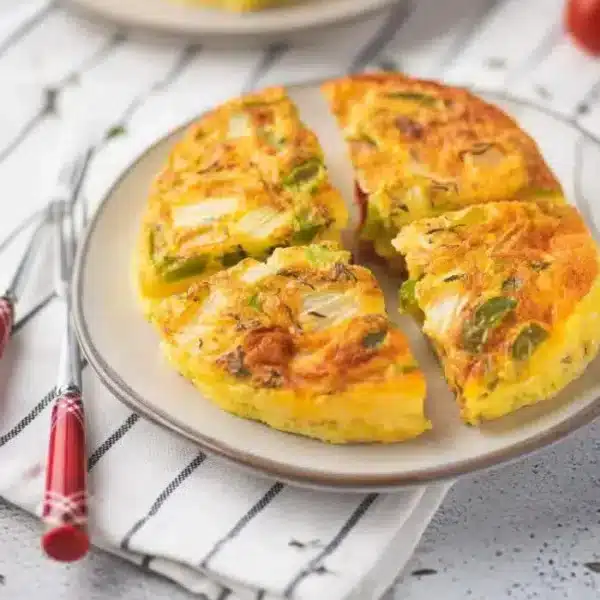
<point>158,501</point>
<point>155,499</point>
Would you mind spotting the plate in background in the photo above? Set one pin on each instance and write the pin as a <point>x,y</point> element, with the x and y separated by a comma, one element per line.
<point>123,348</point>
<point>291,23</point>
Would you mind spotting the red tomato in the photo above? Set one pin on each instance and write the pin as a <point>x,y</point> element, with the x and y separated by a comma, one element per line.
<point>583,23</point>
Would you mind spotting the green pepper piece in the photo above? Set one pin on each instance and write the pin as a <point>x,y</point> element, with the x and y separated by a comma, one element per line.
<point>306,234</point>
<point>374,226</point>
<point>254,302</point>
<point>485,318</point>
<point>407,297</point>
<point>418,97</point>
<point>306,177</point>
<point>526,343</point>
<point>317,255</point>
<point>229,259</point>
<point>305,230</point>
<point>178,270</point>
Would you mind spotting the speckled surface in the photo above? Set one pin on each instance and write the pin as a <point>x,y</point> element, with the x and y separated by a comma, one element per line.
<point>527,530</point>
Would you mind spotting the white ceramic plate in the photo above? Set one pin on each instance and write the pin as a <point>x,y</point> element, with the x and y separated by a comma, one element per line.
<point>287,23</point>
<point>123,348</point>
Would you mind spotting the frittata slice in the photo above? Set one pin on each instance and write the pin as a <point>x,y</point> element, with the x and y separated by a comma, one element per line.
<point>509,294</point>
<point>246,178</point>
<point>300,342</point>
<point>420,149</point>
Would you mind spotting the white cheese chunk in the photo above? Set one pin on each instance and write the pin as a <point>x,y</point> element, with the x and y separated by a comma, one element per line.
<point>263,222</point>
<point>324,309</point>
<point>203,213</point>
<point>239,126</point>
<point>256,273</point>
<point>442,313</point>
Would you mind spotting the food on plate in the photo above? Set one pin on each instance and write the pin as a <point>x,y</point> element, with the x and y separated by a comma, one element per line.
<point>420,149</point>
<point>244,179</point>
<point>509,294</point>
<point>300,342</point>
<point>239,5</point>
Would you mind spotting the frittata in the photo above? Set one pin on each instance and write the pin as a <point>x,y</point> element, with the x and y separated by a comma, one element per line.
<point>509,294</point>
<point>244,179</point>
<point>300,342</point>
<point>420,149</point>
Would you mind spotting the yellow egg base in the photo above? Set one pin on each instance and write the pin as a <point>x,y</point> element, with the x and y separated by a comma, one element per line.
<point>546,372</point>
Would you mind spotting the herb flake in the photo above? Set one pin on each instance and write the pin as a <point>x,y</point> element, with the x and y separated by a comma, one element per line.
<point>512,284</point>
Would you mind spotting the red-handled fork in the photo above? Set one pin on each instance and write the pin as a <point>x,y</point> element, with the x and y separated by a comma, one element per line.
<point>15,287</point>
<point>65,509</point>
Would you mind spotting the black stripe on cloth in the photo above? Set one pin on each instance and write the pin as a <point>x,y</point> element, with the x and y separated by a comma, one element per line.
<point>146,561</point>
<point>458,46</point>
<point>341,535</point>
<point>112,439</point>
<point>271,55</point>
<point>24,28</point>
<point>25,130</point>
<point>394,20</point>
<point>536,56</point>
<point>225,593</point>
<point>188,54</point>
<point>49,106</point>
<point>163,497</point>
<point>590,97</point>
<point>273,491</point>
<point>33,312</point>
<point>35,412</point>
<point>20,228</point>
<point>94,59</point>
<point>260,595</point>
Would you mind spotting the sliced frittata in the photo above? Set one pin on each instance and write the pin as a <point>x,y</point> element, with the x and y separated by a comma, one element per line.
<point>420,149</point>
<point>246,178</point>
<point>300,342</point>
<point>509,294</point>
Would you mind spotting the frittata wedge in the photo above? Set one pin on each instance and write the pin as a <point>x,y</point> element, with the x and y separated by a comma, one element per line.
<point>420,149</point>
<point>509,294</point>
<point>300,342</point>
<point>246,178</point>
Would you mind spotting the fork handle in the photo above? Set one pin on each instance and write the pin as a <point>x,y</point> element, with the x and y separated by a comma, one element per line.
<point>65,509</point>
<point>7,317</point>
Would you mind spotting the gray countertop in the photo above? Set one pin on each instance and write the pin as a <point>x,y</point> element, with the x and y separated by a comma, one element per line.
<point>528,530</point>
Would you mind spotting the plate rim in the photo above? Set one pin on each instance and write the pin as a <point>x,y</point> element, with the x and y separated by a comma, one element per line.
<point>193,28</point>
<point>272,468</point>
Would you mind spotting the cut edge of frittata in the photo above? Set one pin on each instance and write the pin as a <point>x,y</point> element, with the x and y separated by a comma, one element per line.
<point>300,342</point>
<point>544,358</point>
<point>440,148</point>
<point>244,179</point>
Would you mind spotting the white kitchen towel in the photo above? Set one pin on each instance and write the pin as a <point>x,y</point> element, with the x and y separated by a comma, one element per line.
<point>159,501</point>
